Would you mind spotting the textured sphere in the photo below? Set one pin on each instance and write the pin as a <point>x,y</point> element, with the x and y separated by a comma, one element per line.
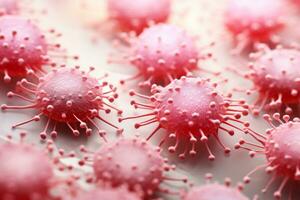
<point>214,192</point>
<point>283,150</point>
<point>258,18</point>
<point>25,172</point>
<point>130,162</point>
<point>8,7</point>
<point>276,73</point>
<point>66,93</point>
<point>164,50</point>
<point>22,44</point>
<point>136,15</point>
<point>107,194</point>
<point>188,105</point>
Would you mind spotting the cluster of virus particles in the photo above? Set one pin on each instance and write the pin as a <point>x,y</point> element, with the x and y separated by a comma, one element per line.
<point>177,105</point>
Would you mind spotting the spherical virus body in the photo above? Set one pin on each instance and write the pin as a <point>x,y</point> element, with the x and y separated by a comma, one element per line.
<point>23,47</point>
<point>276,75</point>
<point>107,194</point>
<point>164,52</point>
<point>137,15</point>
<point>251,22</point>
<point>130,162</point>
<point>281,148</point>
<point>25,173</point>
<point>214,192</point>
<point>67,96</point>
<point>191,110</point>
<point>9,7</point>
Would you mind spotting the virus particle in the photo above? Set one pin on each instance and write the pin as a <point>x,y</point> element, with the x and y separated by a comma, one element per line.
<point>191,110</point>
<point>137,15</point>
<point>132,163</point>
<point>214,192</point>
<point>24,49</point>
<point>276,77</point>
<point>108,194</point>
<point>281,148</point>
<point>9,7</point>
<point>250,22</point>
<point>162,53</point>
<point>68,96</point>
<point>16,181</point>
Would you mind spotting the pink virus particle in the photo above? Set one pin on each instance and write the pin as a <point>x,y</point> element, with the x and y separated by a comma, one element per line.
<point>133,163</point>
<point>9,7</point>
<point>192,111</point>
<point>280,146</point>
<point>69,96</point>
<point>276,78</point>
<point>24,49</point>
<point>250,22</point>
<point>214,192</point>
<point>137,15</point>
<point>162,53</point>
<point>108,194</point>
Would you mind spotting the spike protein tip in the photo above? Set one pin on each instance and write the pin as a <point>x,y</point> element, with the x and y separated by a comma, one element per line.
<point>276,77</point>
<point>250,22</point>
<point>25,49</point>
<point>162,53</point>
<point>137,15</point>
<point>191,110</point>
<point>68,96</point>
<point>281,147</point>
<point>133,163</point>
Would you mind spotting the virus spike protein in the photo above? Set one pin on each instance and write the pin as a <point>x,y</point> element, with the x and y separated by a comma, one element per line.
<point>137,15</point>
<point>67,96</point>
<point>191,111</point>
<point>281,148</point>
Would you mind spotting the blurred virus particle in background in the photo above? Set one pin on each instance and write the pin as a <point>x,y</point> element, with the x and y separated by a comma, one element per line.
<point>133,163</point>
<point>276,77</point>
<point>69,96</point>
<point>162,53</point>
<point>254,21</point>
<point>191,111</point>
<point>137,15</point>
<point>24,47</point>
<point>214,191</point>
<point>107,194</point>
<point>27,172</point>
<point>280,145</point>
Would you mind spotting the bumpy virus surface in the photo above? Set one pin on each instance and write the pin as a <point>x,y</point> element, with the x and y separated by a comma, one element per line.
<point>191,110</point>
<point>69,96</point>
<point>9,7</point>
<point>107,194</point>
<point>281,148</point>
<point>163,53</point>
<point>133,163</point>
<point>137,15</point>
<point>27,181</point>
<point>214,192</point>
<point>250,22</point>
<point>276,75</point>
